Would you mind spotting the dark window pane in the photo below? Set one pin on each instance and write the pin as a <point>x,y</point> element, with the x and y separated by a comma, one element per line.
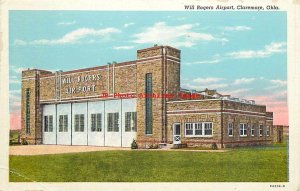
<point>198,129</point>
<point>46,123</point>
<point>148,103</point>
<point>65,123</point>
<point>207,128</point>
<point>99,122</point>
<point>27,109</point>
<point>60,123</point>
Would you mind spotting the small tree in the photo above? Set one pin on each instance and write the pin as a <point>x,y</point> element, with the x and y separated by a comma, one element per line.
<point>134,145</point>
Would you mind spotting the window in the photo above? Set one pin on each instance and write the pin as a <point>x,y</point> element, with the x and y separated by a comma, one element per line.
<point>268,131</point>
<point>243,130</point>
<point>230,129</point>
<point>27,110</point>
<point>148,103</point>
<point>113,122</point>
<point>261,130</point>
<point>48,123</point>
<point>96,122</point>
<point>198,129</point>
<point>207,128</point>
<point>63,123</point>
<point>130,122</point>
<point>188,129</point>
<point>252,130</point>
<point>79,123</point>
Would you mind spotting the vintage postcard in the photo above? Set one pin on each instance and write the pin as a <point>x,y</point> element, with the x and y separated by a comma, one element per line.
<point>164,95</point>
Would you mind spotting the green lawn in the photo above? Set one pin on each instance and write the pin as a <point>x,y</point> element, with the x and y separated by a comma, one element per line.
<point>258,164</point>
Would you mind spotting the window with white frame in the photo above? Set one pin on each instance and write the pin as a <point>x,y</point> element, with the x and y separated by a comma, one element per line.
<point>198,129</point>
<point>63,123</point>
<point>189,129</point>
<point>252,130</point>
<point>230,129</point>
<point>268,131</point>
<point>207,129</point>
<point>130,121</point>
<point>261,130</point>
<point>243,130</point>
<point>96,122</point>
<point>48,123</point>
<point>113,122</point>
<point>79,123</point>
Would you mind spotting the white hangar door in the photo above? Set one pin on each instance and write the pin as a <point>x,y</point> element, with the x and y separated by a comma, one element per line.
<point>63,124</point>
<point>49,124</point>
<point>129,126</point>
<point>113,123</point>
<point>79,123</point>
<point>96,123</point>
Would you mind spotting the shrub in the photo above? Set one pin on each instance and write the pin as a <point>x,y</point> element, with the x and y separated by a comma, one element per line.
<point>24,141</point>
<point>134,145</point>
<point>214,146</point>
<point>151,146</point>
<point>155,146</point>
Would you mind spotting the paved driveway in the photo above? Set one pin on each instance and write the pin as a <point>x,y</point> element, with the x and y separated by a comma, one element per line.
<point>56,149</point>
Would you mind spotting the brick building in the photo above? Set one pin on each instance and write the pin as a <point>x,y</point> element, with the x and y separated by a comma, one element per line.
<point>113,104</point>
<point>280,133</point>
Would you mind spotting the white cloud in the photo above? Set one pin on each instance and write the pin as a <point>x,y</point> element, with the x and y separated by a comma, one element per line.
<point>236,92</point>
<point>207,80</point>
<point>238,28</point>
<point>19,42</point>
<point>243,81</point>
<point>128,24</point>
<point>202,83</point>
<point>179,35</point>
<point>273,48</point>
<point>277,84</point>
<point>123,47</point>
<point>215,61</point>
<point>14,81</point>
<point>203,86</point>
<point>276,47</point>
<point>15,92</point>
<point>72,37</point>
<point>17,70</point>
<point>67,23</point>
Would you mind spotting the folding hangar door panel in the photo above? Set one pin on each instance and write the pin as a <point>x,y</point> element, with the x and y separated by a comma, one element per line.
<point>96,123</point>
<point>113,123</point>
<point>79,123</point>
<point>49,124</point>
<point>64,124</point>
<point>129,117</point>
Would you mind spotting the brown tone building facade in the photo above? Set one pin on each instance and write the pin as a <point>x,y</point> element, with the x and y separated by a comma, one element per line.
<point>142,100</point>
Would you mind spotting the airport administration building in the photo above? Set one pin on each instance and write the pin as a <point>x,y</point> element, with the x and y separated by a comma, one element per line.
<point>113,104</point>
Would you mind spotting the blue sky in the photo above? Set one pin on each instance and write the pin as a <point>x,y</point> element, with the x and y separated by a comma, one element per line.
<point>238,53</point>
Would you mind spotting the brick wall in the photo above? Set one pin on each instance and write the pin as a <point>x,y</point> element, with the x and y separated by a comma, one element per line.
<point>129,77</point>
<point>30,80</point>
<point>113,78</point>
<point>280,133</point>
<point>164,64</point>
<point>210,111</point>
